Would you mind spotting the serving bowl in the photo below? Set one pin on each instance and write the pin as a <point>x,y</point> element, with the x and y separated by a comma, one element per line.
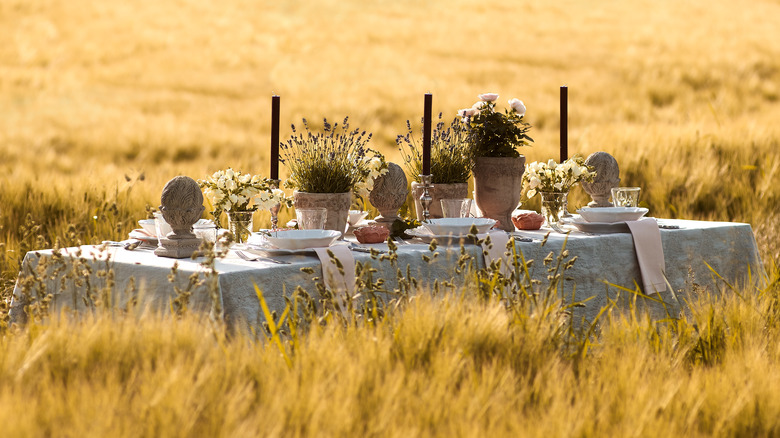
<point>355,216</point>
<point>301,239</point>
<point>148,226</point>
<point>458,225</point>
<point>612,214</point>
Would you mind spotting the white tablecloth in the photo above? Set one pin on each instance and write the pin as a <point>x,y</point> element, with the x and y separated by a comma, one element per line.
<point>729,248</point>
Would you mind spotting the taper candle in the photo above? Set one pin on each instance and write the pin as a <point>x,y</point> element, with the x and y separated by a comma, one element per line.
<point>275,137</point>
<point>426,155</point>
<point>564,123</point>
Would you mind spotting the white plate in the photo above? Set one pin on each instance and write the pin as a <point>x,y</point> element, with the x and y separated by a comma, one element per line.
<point>458,225</point>
<point>140,234</point>
<point>612,214</point>
<point>270,251</point>
<point>426,236</point>
<point>599,227</point>
<point>296,239</point>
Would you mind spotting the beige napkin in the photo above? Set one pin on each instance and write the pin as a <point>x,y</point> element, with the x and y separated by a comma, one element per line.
<point>334,279</point>
<point>496,250</point>
<point>649,253</point>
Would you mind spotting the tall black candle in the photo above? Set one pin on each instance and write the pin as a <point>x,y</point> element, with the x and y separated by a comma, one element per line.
<point>564,123</point>
<point>426,155</point>
<point>275,137</point>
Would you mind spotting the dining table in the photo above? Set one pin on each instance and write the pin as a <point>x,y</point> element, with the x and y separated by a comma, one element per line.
<point>699,256</point>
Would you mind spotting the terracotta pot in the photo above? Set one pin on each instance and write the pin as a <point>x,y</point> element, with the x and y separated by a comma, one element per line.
<point>337,205</point>
<point>439,192</point>
<point>498,184</point>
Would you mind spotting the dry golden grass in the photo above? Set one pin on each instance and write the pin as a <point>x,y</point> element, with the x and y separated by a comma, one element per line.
<point>102,102</point>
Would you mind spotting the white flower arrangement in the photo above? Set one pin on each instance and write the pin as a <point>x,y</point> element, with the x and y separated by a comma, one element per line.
<point>230,190</point>
<point>552,177</point>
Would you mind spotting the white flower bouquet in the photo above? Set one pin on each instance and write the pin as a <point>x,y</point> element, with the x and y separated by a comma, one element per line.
<point>230,190</point>
<point>552,177</point>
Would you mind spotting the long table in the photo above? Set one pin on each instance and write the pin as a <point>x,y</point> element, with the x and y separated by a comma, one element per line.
<point>699,255</point>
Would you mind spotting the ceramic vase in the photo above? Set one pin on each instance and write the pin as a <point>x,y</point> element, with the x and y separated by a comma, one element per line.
<point>498,184</point>
<point>337,205</point>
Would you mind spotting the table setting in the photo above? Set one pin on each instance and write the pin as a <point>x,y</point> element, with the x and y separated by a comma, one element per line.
<point>346,198</point>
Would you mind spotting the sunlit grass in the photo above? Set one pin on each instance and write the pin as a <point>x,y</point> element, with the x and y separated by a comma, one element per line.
<point>101,103</point>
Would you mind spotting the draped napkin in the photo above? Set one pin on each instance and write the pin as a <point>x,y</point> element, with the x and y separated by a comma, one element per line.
<point>649,254</point>
<point>496,250</point>
<point>334,279</point>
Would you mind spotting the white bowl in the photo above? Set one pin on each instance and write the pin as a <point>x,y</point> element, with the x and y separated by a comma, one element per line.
<point>148,226</point>
<point>458,225</point>
<point>301,239</point>
<point>356,216</point>
<point>612,214</point>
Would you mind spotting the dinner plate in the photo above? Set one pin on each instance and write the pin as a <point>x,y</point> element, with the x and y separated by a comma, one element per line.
<point>426,236</point>
<point>599,227</point>
<point>611,214</point>
<point>296,239</point>
<point>270,251</point>
<point>458,225</point>
<point>140,234</point>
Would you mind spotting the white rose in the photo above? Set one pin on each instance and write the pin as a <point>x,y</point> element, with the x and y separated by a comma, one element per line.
<point>558,186</point>
<point>531,193</point>
<point>229,173</point>
<point>576,170</point>
<point>245,179</point>
<point>488,97</point>
<point>468,112</point>
<point>233,198</point>
<point>518,106</point>
<point>534,182</point>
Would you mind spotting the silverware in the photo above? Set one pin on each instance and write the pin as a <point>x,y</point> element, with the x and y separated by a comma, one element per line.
<point>254,258</point>
<point>358,248</point>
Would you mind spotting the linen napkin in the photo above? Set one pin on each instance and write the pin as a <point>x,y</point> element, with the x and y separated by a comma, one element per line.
<point>649,254</point>
<point>496,250</point>
<point>334,279</point>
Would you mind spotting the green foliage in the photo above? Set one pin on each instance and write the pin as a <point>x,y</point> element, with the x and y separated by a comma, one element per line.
<point>333,161</point>
<point>495,134</point>
<point>450,153</point>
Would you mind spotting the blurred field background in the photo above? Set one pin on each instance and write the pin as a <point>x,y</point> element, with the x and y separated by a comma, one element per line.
<point>101,103</point>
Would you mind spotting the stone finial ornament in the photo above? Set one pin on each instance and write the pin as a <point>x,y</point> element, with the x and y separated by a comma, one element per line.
<point>389,194</point>
<point>181,205</point>
<point>607,176</point>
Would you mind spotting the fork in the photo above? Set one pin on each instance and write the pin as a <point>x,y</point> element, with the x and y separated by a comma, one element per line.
<point>254,258</point>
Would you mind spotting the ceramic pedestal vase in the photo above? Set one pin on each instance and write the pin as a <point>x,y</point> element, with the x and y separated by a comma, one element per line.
<point>498,184</point>
<point>554,208</point>
<point>439,192</point>
<point>337,205</point>
<point>240,225</point>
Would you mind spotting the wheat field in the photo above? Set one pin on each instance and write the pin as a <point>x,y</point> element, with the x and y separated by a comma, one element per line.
<point>101,103</point>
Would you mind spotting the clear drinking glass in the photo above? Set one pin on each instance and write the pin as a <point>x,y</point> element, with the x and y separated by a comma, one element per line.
<point>460,207</point>
<point>311,218</point>
<point>625,196</point>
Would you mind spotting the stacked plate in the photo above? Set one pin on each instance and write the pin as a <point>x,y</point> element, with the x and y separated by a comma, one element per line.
<point>445,229</point>
<point>607,219</point>
<point>291,241</point>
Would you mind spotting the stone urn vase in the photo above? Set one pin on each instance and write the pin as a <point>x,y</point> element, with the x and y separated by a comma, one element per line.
<point>438,192</point>
<point>337,205</point>
<point>498,184</point>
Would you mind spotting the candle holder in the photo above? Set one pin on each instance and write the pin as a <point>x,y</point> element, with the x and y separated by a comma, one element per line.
<point>275,209</point>
<point>425,198</point>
